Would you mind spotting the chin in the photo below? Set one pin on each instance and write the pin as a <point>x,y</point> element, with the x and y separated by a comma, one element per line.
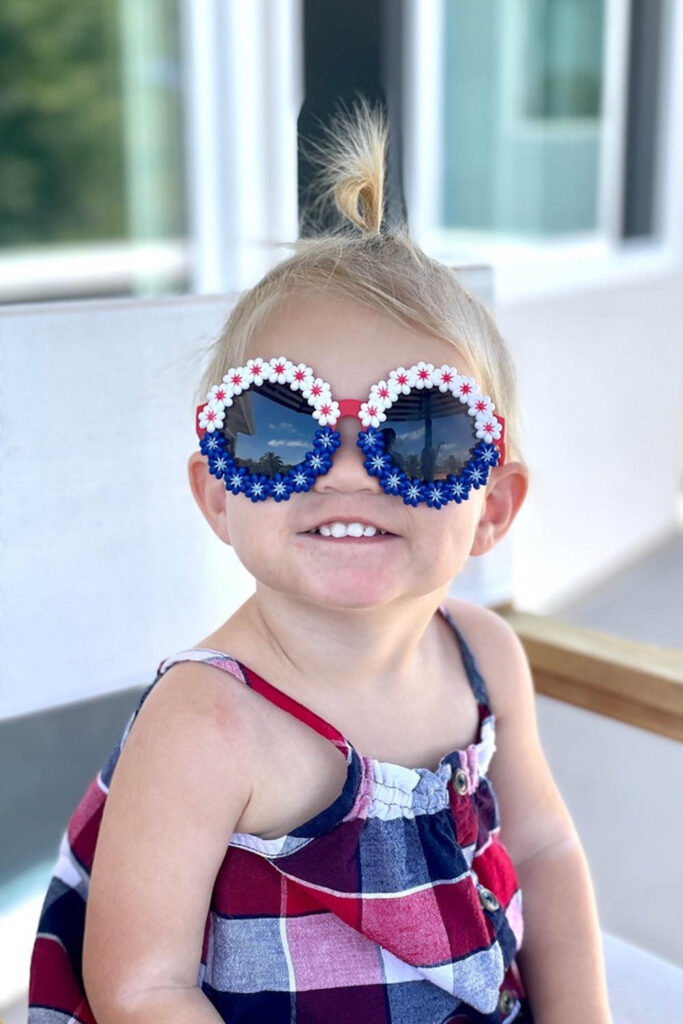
<point>339,593</point>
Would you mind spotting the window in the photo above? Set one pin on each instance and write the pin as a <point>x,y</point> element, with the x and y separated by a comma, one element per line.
<point>91,144</point>
<point>522,115</point>
<point>544,139</point>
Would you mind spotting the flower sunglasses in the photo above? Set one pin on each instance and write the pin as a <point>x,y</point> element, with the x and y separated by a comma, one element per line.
<point>428,434</point>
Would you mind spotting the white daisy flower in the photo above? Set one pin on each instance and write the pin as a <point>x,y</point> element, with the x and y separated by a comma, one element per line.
<point>423,374</point>
<point>257,371</point>
<point>315,390</point>
<point>211,418</point>
<point>219,396</point>
<point>326,411</point>
<point>372,413</point>
<point>386,392</point>
<point>237,379</point>
<point>464,387</point>
<point>480,405</point>
<point>279,369</point>
<point>299,376</point>
<point>488,428</point>
<point>444,376</point>
<point>402,379</point>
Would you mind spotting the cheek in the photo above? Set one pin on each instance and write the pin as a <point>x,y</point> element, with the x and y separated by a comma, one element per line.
<point>256,529</point>
<point>446,537</point>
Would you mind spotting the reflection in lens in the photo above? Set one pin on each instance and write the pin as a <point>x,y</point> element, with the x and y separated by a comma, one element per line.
<point>269,428</point>
<point>429,434</point>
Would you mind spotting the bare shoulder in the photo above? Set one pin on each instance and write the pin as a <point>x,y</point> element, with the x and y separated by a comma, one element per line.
<point>496,647</point>
<point>200,684</point>
<point>209,705</point>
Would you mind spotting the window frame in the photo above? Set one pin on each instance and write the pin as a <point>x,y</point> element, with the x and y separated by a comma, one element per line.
<point>529,268</point>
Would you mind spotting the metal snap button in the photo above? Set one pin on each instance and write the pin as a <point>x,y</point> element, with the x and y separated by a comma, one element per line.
<point>488,900</point>
<point>459,781</point>
<point>507,1000</point>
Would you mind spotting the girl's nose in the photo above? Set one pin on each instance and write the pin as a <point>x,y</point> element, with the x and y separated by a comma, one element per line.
<point>347,471</point>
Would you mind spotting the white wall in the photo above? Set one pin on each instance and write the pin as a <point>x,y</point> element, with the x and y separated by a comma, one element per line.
<point>600,374</point>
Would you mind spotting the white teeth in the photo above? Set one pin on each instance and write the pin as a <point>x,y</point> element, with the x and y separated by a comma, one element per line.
<point>339,529</point>
<point>355,530</point>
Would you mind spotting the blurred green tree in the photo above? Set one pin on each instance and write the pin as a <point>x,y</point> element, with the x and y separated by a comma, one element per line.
<point>62,143</point>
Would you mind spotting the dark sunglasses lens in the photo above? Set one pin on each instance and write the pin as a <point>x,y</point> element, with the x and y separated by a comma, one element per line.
<point>269,428</point>
<point>429,434</point>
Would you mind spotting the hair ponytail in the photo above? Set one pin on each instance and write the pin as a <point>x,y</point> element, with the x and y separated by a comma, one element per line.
<point>351,166</point>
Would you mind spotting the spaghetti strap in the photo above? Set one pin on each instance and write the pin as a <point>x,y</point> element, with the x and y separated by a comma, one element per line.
<point>250,678</point>
<point>473,674</point>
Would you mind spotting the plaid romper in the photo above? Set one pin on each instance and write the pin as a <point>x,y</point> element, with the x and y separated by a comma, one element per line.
<point>397,904</point>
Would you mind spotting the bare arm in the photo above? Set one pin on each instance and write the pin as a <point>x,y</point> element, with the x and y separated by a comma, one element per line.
<point>180,787</point>
<point>561,958</point>
<point>166,1006</point>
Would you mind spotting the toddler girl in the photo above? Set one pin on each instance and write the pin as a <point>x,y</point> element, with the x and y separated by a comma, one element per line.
<point>303,820</point>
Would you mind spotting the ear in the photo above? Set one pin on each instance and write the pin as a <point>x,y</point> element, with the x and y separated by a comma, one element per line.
<point>210,494</point>
<point>505,492</point>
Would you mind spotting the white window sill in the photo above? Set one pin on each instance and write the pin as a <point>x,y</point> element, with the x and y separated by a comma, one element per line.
<point>99,268</point>
<point>527,269</point>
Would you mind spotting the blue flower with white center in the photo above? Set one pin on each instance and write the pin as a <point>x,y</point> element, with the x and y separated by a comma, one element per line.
<point>377,463</point>
<point>319,462</point>
<point>457,488</point>
<point>487,453</point>
<point>236,479</point>
<point>393,480</point>
<point>436,496</point>
<point>413,492</point>
<point>370,440</point>
<point>476,473</point>
<point>257,487</point>
<point>301,479</point>
<point>211,442</point>
<point>280,487</point>
<point>219,464</point>
<point>327,439</point>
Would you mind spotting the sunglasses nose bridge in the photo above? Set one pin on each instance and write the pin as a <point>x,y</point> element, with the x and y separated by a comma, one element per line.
<point>348,456</point>
<point>349,408</point>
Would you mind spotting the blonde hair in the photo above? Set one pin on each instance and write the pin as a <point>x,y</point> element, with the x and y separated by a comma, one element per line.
<point>383,269</point>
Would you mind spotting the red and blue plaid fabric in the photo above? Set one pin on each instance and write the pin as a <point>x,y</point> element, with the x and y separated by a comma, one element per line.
<point>397,903</point>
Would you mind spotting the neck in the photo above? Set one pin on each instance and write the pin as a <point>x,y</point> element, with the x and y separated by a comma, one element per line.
<point>360,653</point>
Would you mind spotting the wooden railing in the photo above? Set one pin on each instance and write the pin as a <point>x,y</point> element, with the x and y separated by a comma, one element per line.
<point>635,682</point>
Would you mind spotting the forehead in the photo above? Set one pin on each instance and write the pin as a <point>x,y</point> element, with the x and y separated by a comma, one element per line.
<point>348,344</point>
